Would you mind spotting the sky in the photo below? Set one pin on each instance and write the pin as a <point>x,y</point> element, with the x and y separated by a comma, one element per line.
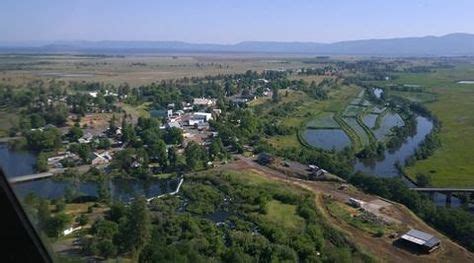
<point>231,21</point>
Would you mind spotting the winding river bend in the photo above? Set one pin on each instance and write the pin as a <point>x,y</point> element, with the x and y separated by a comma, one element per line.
<point>386,167</point>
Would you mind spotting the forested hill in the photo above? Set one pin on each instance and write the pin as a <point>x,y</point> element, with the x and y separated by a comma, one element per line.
<point>458,44</point>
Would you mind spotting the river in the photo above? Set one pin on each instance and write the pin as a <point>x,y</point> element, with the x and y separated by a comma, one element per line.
<point>386,167</point>
<point>16,163</point>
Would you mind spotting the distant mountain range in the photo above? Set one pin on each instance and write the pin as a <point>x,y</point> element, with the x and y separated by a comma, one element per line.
<point>458,44</point>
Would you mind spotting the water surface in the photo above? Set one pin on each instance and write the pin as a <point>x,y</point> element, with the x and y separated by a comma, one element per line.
<point>327,139</point>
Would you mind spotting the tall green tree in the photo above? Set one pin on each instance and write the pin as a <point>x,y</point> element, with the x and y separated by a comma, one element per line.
<point>196,156</point>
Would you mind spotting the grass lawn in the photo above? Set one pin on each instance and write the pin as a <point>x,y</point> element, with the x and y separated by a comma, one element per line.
<point>283,215</point>
<point>140,111</point>
<point>453,163</point>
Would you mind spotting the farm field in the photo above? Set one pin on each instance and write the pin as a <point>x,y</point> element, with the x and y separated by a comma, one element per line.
<point>354,125</point>
<point>323,120</point>
<point>136,69</point>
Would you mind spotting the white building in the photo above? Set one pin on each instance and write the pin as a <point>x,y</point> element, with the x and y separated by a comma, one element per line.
<point>204,102</point>
<point>203,115</point>
<point>101,158</point>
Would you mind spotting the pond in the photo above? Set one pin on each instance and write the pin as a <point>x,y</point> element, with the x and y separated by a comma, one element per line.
<point>369,120</point>
<point>388,121</point>
<point>17,163</point>
<point>120,189</point>
<point>327,139</point>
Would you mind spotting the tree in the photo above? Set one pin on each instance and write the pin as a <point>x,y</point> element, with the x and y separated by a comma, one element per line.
<point>75,133</point>
<point>136,231</point>
<point>43,213</point>
<point>60,205</point>
<point>172,157</point>
<point>157,151</point>
<point>174,136</point>
<point>196,156</point>
<point>103,191</point>
<point>82,220</point>
<point>47,139</point>
<point>275,95</point>
<point>113,123</point>
<point>83,150</point>
<point>216,149</point>
<point>423,180</point>
<point>56,224</point>
<point>42,162</point>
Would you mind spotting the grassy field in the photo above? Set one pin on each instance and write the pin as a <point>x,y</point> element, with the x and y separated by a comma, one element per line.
<point>283,214</point>
<point>323,120</point>
<point>422,97</point>
<point>133,69</point>
<point>352,111</point>
<point>351,216</point>
<point>453,163</point>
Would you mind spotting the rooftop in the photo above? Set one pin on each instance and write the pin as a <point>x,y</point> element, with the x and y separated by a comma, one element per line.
<point>421,238</point>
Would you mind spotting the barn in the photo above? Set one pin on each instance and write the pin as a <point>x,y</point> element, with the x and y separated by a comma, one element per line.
<point>420,240</point>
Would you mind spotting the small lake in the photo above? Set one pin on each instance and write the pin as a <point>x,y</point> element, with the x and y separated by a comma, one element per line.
<point>120,189</point>
<point>369,120</point>
<point>327,139</point>
<point>17,163</point>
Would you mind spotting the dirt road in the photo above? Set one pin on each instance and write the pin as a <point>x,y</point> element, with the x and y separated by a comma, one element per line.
<point>380,247</point>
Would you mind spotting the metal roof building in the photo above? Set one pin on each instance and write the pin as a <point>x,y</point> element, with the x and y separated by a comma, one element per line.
<point>423,240</point>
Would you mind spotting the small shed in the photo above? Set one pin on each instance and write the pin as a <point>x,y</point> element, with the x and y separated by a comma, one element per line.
<point>356,202</point>
<point>420,240</point>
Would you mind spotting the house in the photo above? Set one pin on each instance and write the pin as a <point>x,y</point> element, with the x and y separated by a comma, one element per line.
<point>71,230</point>
<point>204,102</point>
<point>101,158</point>
<point>203,115</point>
<point>320,173</point>
<point>159,113</point>
<point>87,138</point>
<point>420,240</point>
<point>216,112</point>
<point>173,124</point>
